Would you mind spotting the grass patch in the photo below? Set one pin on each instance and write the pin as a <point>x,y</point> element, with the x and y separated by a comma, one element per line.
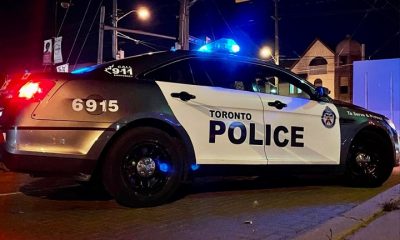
<point>391,206</point>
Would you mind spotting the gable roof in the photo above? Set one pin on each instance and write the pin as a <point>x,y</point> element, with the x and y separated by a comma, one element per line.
<point>308,49</point>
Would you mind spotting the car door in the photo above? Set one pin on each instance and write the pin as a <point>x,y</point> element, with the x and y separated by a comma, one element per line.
<point>222,120</point>
<point>298,130</point>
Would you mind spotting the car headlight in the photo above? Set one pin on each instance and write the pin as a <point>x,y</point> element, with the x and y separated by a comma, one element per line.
<point>391,123</point>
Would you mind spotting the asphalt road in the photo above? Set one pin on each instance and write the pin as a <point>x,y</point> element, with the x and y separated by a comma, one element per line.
<point>212,208</point>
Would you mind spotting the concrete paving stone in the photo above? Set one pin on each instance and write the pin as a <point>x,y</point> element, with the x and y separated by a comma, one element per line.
<point>384,227</point>
<point>282,213</point>
<point>340,226</point>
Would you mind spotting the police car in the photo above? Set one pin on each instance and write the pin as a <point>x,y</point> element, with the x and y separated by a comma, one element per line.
<point>144,124</point>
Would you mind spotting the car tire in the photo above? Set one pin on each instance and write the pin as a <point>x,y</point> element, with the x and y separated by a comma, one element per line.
<point>369,161</point>
<point>143,168</point>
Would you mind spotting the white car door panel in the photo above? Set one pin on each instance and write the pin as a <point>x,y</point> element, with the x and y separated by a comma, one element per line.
<point>225,126</point>
<point>300,133</point>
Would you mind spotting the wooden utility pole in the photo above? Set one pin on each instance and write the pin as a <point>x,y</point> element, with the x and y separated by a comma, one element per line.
<point>276,45</point>
<point>114,33</point>
<point>101,36</point>
<point>184,22</point>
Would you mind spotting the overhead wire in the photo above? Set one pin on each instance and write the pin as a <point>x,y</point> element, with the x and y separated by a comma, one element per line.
<point>79,30</point>
<point>222,17</point>
<point>150,45</point>
<point>65,16</point>
<point>146,44</point>
<point>363,19</point>
<point>87,34</point>
<point>397,34</point>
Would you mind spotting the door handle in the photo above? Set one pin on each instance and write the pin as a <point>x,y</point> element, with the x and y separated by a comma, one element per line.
<point>184,96</point>
<point>277,104</point>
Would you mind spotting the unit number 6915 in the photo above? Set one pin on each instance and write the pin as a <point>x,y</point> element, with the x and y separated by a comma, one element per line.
<point>91,105</point>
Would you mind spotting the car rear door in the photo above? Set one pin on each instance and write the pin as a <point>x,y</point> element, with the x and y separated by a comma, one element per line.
<point>224,122</point>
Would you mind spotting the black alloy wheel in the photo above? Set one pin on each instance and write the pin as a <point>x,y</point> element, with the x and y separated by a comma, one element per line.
<point>146,168</point>
<point>143,167</point>
<point>369,162</point>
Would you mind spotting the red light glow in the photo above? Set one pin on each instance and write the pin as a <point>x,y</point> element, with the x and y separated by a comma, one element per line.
<point>35,90</point>
<point>29,90</point>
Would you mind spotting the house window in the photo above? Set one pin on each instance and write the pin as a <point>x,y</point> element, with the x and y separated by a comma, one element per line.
<point>344,85</point>
<point>292,90</point>
<point>343,60</point>
<point>318,65</point>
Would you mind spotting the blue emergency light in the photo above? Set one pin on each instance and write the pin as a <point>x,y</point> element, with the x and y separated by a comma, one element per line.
<point>221,45</point>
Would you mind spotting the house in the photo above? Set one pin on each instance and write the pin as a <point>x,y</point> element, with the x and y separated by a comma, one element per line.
<point>347,51</point>
<point>317,65</point>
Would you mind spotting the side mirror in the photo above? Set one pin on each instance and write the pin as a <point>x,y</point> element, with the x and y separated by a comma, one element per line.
<point>321,92</point>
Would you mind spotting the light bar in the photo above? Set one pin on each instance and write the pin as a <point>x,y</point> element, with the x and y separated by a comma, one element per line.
<point>226,45</point>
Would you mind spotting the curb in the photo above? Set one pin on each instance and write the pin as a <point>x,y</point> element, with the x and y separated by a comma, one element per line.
<point>345,224</point>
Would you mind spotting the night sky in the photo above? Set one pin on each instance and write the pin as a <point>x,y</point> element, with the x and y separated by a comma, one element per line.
<point>25,24</point>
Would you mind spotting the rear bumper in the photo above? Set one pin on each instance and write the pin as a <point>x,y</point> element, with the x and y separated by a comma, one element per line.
<point>44,165</point>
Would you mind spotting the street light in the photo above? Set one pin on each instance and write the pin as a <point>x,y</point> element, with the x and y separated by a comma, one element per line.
<point>143,14</point>
<point>266,53</point>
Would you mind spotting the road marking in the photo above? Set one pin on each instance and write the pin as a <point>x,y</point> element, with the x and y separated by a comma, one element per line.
<point>9,194</point>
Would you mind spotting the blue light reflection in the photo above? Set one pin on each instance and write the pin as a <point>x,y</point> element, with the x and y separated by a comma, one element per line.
<point>194,167</point>
<point>163,167</point>
<point>84,70</point>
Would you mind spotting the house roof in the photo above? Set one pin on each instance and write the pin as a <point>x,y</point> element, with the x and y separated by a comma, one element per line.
<point>309,47</point>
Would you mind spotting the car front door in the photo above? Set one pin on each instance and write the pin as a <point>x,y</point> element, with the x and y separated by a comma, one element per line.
<point>298,130</point>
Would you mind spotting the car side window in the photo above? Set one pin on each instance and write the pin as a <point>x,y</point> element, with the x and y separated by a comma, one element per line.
<point>178,72</point>
<point>220,73</point>
<point>271,81</point>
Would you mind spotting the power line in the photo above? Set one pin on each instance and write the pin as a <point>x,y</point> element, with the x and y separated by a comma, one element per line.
<point>87,35</point>
<point>79,30</point>
<point>384,44</point>
<point>65,16</point>
<point>222,17</point>
<point>363,19</point>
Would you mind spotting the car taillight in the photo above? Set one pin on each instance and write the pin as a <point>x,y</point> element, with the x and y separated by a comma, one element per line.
<point>35,90</point>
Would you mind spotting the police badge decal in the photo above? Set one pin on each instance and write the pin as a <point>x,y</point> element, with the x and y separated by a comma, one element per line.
<point>328,118</point>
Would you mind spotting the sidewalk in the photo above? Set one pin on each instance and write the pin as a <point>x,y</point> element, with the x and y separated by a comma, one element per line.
<point>366,221</point>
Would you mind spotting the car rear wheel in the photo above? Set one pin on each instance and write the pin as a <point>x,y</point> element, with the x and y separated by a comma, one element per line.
<point>369,163</point>
<point>143,167</point>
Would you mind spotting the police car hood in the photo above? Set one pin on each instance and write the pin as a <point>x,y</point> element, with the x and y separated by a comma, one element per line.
<point>342,104</point>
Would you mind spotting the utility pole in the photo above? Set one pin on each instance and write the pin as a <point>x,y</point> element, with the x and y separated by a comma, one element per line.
<point>101,36</point>
<point>184,14</point>
<point>184,24</point>
<point>114,32</point>
<point>276,45</point>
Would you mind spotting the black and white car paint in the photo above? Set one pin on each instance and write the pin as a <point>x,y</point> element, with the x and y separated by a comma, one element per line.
<point>144,124</point>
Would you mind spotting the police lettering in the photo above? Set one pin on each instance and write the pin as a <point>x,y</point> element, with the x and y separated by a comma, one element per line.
<point>281,135</point>
<point>230,115</point>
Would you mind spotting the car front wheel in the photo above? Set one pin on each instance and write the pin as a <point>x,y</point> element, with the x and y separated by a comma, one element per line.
<point>369,163</point>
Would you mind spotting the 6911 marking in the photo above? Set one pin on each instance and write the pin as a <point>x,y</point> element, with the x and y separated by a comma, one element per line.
<point>91,105</point>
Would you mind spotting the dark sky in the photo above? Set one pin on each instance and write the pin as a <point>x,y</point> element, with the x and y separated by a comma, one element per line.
<point>25,24</point>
